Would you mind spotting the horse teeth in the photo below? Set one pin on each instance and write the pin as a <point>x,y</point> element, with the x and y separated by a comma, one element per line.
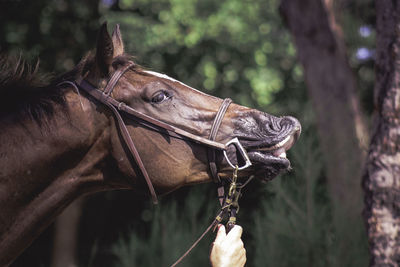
<point>276,146</point>
<point>282,155</point>
<point>284,141</point>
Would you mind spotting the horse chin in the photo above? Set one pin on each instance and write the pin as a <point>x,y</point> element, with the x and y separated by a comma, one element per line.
<point>267,166</point>
<point>270,160</point>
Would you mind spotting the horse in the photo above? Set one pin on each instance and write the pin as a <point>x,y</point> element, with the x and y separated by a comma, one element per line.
<point>111,124</point>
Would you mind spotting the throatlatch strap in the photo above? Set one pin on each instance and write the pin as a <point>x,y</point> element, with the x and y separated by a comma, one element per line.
<point>213,134</point>
<point>124,131</point>
<point>125,136</point>
<point>132,148</point>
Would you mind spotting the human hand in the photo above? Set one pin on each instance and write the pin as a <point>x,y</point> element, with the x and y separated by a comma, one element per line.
<point>228,249</point>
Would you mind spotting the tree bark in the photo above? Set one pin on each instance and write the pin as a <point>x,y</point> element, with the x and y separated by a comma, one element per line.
<point>341,128</point>
<point>381,181</point>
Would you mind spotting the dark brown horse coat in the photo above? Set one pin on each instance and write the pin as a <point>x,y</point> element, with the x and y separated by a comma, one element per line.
<point>57,143</point>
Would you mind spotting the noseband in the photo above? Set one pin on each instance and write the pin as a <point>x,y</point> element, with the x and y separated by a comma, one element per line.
<point>104,96</point>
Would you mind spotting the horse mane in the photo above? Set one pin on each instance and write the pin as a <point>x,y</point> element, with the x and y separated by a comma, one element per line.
<point>26,91</point>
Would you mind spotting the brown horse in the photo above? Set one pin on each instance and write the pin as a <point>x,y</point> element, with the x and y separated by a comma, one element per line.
<point>59,143</point>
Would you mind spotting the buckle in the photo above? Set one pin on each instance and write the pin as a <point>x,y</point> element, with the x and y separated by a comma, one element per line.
<point>242,151</point>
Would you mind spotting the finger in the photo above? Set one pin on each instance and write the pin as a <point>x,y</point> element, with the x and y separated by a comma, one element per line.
<point>235,233</point>
<point>239,257</point>
<point>221,234</point>
<point>236,246</point>
<point>242,260</point>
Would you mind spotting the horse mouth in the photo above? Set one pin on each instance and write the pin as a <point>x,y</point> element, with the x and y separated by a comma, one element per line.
<point>270,160</point>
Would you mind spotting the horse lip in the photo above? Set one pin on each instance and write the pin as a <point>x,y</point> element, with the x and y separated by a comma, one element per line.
<point>281,147</point>
<point>268,152</point>
<point>274,155</point>
<point>269,159</point>
<point>285,143</point>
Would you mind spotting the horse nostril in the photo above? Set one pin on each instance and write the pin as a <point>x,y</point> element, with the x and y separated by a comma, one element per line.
<point>287,120</point>
<point>280,126</point>
<point>274,125</point>
<point>292,123</point>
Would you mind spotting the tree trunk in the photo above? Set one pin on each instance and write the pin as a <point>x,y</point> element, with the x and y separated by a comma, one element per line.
<point>332,87</point>
<point>66,236</point>
<point>381,181</point>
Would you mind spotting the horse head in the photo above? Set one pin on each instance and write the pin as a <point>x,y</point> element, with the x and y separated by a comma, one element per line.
<point>172,162</point>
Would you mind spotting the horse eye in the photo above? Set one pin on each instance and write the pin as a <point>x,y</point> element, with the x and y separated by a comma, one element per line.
<point>160,97</point>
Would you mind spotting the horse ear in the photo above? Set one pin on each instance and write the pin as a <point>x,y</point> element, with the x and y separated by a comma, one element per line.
<point>104,50</point>
<point>117,41</point>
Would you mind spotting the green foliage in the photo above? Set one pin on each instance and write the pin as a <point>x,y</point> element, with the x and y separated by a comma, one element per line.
<point>230,48</point>
<point>296,221</point>
<point>173,229</point>
<point>295,228</point>
<point>59,31</point>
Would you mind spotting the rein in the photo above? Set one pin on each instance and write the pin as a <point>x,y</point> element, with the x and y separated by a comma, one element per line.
<point>229,202</point>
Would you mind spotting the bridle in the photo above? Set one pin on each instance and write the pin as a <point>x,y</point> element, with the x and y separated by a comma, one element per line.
<point>104,97</point>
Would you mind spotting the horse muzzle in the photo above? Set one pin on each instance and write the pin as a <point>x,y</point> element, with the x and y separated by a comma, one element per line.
<point>264,145</point>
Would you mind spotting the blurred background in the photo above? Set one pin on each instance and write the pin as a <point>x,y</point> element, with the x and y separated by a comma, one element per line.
<point>245,50</point>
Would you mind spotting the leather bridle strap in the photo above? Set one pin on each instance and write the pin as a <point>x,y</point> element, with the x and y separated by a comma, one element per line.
<point>132,148</point>
<point>148,121</point>
<point>124,133</point>
<point>213,134</point>
<point>115,78</point>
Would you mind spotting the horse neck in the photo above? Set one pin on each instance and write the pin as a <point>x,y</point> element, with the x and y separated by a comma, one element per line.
<point>44,168</point>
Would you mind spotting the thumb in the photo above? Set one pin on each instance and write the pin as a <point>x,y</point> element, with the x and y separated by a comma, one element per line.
<point>221,234</point>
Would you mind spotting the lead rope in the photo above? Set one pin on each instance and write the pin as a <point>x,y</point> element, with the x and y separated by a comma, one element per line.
<point>230,205</point>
